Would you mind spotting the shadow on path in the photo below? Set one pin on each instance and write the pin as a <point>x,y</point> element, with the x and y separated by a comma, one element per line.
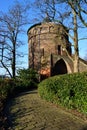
<point>28,111</point>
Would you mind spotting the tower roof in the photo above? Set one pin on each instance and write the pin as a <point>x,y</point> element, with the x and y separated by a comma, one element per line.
<point>47,19</point>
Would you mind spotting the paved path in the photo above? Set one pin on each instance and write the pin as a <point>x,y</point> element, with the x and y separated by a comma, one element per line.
<point>29,112</point>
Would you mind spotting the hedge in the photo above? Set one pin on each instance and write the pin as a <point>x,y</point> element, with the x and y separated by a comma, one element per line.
<point>68,90</point>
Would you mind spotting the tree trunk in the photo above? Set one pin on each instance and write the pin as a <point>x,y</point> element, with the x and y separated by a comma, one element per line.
<point>76,55</point>
<point>13,61</point>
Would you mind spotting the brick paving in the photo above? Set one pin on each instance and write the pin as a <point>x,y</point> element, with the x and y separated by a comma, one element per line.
<point>29,112</point>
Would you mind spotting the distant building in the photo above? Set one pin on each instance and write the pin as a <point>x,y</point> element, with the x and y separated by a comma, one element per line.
<point>50,51</point>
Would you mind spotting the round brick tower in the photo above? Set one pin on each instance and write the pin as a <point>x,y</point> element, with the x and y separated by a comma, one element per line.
<point>48,41</point>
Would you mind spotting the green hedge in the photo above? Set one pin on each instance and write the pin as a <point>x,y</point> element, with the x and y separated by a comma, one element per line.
<point>69,90</point>
<point>10,87</point>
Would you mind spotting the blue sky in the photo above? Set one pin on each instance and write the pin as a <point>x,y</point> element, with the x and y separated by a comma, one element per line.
<point>5,4</point>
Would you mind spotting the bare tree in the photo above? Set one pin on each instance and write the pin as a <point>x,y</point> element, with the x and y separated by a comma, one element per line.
<point>11,28</point>
<point>4,59</point>
<point>45,7</point>
<point>82,11</point>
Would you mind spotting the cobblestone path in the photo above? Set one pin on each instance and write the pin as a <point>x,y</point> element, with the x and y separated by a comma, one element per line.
<point>29,112</point>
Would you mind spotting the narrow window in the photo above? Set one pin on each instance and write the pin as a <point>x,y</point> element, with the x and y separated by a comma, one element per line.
<point>59,49</point>
<point>42,52</point>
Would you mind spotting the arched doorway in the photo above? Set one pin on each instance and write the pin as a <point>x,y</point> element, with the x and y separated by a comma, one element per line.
<point>59,68</point>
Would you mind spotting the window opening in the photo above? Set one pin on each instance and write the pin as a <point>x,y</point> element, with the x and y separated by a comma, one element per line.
<point>59,49</point>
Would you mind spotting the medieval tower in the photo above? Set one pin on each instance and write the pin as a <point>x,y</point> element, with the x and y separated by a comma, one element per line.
<point>49,49</point>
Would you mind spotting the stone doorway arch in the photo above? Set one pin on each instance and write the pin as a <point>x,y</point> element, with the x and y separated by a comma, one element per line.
<point>59,68</point>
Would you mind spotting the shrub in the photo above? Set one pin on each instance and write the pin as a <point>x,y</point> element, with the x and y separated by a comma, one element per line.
<point>28,78</point>
<point>6,87</point>
<point>69,90</point>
